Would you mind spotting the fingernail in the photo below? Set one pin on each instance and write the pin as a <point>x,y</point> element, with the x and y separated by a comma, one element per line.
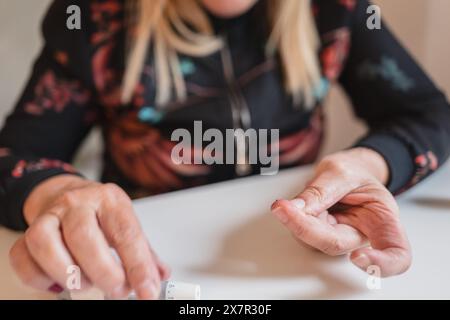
<point>56,288</point>
<point>148,290</point>
<point>299,203</point>
<point>362,261</point>
<point>281,215</point>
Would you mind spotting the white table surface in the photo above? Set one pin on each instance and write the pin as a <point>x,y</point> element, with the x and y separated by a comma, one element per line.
<point>223,237</point>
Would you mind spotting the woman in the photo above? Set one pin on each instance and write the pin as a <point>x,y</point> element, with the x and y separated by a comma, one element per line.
<point>141,69</point>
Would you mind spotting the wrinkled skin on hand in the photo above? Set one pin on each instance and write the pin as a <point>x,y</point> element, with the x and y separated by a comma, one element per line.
<point>346,209</point>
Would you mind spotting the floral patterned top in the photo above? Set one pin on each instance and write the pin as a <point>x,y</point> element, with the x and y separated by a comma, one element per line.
<point>75,85</point>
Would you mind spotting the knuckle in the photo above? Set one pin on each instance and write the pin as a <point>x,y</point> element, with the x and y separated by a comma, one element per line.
<point>13,255</point>
<point>112,192</point>
<point>69,199</point>
<point>138,273</point>
<point>36,234</point>
<point>124,234</point>
<point>327,160</point>
<point>80,231</point>
<point>337,165</point>
<point>27,278</point>
<point>299,231</point>
<point>341,168</point>
<point>316,192</point>
<point>37,241</point>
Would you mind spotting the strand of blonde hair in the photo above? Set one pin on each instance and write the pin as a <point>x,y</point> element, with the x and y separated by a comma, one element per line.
<point>165,24</point>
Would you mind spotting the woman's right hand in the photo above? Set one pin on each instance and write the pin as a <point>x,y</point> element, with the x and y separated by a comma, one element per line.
<point>73,221</point>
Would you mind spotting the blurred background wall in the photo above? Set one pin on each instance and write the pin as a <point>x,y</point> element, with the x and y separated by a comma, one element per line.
<point>422,25</point>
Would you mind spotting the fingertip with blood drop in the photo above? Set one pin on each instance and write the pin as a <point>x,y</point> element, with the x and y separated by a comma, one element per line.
<point>275,205</point>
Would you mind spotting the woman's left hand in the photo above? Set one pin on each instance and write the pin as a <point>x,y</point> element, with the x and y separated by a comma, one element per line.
<point>345,207</point>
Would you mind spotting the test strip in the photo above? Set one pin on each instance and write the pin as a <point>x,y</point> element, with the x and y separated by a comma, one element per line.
<point>170,290</point>
<point>173,290</point>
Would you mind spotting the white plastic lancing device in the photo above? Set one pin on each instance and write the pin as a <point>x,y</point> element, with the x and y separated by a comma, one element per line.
<point>170,290</point>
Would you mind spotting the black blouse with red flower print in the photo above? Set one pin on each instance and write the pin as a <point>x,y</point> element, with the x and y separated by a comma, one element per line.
<point>75,85</point>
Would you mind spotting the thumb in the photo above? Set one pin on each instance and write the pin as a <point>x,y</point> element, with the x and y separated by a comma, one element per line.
<point>389,262</point>
<point>324,191</point>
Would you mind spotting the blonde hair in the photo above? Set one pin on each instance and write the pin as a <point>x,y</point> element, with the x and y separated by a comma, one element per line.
<point>164,23</point>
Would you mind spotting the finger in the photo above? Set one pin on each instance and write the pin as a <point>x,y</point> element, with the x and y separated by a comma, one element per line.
<point>326,217</point>
<point>330,239</point>
<point>123,232</point>
<point>164,271</point>
<point>26,268</point>
<point>389,262</point>
<point>390,251</point>
<point>324,191</point>
<point>88,246</point>
<point>45,244</point>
